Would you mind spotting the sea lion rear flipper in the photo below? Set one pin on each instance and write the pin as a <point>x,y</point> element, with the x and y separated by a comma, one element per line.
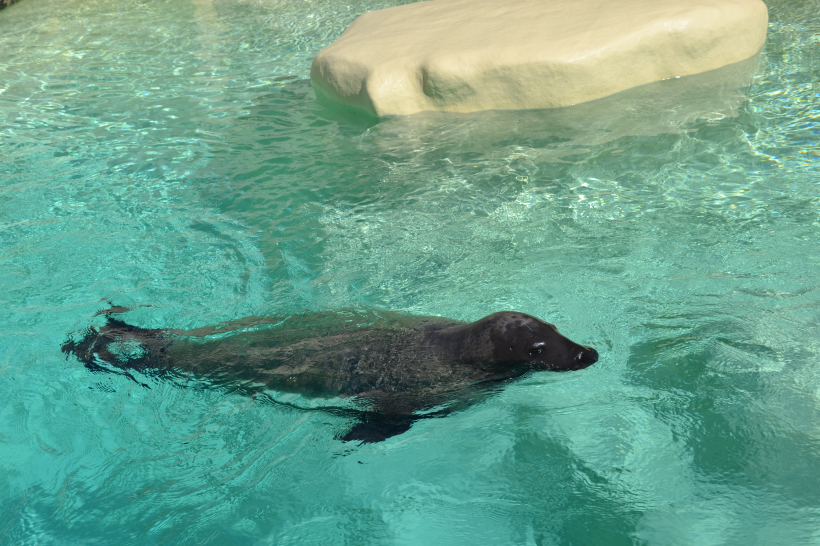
<point>376,427</point>
<point>108,344</point>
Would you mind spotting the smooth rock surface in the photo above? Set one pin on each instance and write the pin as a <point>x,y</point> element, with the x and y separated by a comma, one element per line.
<point>470,55</point>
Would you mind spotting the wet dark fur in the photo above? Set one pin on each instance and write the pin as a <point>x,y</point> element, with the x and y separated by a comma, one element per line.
<point>400,368</point>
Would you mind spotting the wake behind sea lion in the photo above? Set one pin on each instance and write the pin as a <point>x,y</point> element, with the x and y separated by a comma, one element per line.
<point>396,366</point>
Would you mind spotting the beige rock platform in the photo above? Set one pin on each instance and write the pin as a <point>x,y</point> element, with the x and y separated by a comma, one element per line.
<point>470,55</point>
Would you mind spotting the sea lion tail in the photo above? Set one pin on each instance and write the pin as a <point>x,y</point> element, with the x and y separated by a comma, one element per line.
<point>120,345</point>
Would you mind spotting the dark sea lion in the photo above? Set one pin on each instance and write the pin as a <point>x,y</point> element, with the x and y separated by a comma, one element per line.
<point>400,368</point>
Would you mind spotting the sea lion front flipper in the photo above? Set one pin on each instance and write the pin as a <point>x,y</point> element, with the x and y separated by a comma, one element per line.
<point>389,414</point>
<point>377,427</point>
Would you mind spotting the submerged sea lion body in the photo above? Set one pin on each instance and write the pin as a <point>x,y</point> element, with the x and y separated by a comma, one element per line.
<point>396,364</point>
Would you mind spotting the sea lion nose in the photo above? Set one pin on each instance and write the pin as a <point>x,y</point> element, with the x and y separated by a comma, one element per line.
<point>587,357</point>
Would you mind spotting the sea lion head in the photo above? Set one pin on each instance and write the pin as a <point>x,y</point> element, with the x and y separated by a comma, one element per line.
<point>510,339</point>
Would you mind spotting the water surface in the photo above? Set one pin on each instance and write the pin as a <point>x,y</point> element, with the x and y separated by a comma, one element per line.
<point>173,158</point>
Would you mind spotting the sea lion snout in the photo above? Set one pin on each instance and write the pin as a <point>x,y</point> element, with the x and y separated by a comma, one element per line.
<point>587,357</point>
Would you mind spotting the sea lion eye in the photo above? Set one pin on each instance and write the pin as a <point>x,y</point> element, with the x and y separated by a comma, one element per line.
<point>535,351</point>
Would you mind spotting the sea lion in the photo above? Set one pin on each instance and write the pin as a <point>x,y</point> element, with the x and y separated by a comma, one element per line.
<point>400,368</point>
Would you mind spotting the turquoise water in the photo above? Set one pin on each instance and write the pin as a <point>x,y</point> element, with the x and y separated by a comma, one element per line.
<point>171,156</point>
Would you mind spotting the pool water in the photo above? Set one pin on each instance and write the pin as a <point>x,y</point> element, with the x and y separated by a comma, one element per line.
<point>172,157</point>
